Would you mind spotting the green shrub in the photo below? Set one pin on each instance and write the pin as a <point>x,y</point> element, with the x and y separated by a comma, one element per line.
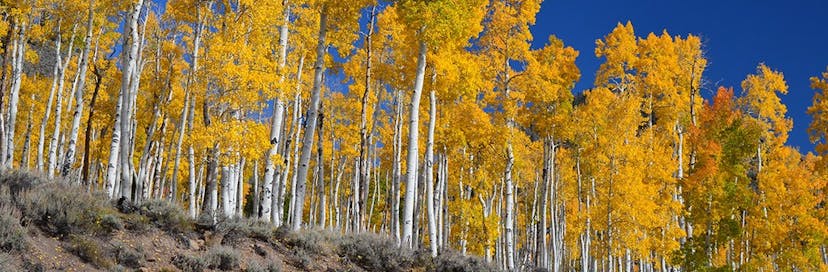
<point>136,222</point>
<point>189,263</point>
<point>375,253</point>
<point>234,230</point>
<point>303,259</point>
<point>313,241</point>
<point>12,235</point>
<point>7,262</point>
<point>111,223</point>
<point>452,261</point>
<point>128,257</point>
<point>223,258</point>
<point>63,209</point>
<point>88,250</point>
<point>18,181</point>
<point>256,267</point>
<point>166,215</point>
<point>281,233</point>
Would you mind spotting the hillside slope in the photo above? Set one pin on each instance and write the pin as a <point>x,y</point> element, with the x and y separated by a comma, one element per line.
<point>54,226</point>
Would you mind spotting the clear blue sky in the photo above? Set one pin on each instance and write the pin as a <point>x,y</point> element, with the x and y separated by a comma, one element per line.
<point>789,36</point>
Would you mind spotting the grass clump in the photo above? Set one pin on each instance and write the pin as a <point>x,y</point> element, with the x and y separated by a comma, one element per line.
<point>312,241</point>
<point>12,234</point>
<point>375,253</point>
<point>128,257</point>
<point>235,230</point>
<point>452,261</point>
<point>87,250</point>
<point>166,215</point>
<point>257,267</point>
<point>18,181</point>
<point>189,263</point>
<point>61,209</point>
<point>7,261</point>
<point>111,223</point>
<point>223,258</point>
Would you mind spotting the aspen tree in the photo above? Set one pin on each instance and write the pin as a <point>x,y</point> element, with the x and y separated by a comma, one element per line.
<point>445,22</point>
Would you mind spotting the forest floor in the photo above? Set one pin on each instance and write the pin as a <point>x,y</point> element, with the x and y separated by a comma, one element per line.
<point>53,226</point>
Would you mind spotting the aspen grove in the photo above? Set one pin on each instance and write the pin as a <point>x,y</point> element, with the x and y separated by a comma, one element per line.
<point>435,123</point>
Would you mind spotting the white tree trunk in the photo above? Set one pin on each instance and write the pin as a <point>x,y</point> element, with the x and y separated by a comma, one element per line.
<point>53,142</point>
<point>57,76</point>
<point>310,123</point>
<point>510,210</point>
<point>114,149</point>
<point>192,197</point>
<point>270,167</point>
<point>17,73</point>
<point>240,188</point>
<point>69,158</point>
<point>193,201</point>
<point>27,144</point>
<point>429,174</point>
<point>226,191</point>
<point>363,169</point>
<point>129,87</point>
<point>257,191</point>
<point>182,129</point>
<point>276,126</point>
<point>279,191</point>
<point>413,150</point>
<point>397,167</point>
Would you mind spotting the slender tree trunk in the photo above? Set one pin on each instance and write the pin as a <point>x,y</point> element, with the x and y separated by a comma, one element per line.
<point>17,73</point>
<point>320,164</point>
<point>279,193</point>
<point>510,207</point>
<point>88,133</point>
<point>69,158</point>
<point>210,202</point>
<point>543,255</point>
<point>310,124</point>
<point>226,191</point>
<point>53,143</point>
<point>7,55</point>
<point>270,167</point>
<point>413,147</point>
<point>191,194</point>
<point>192,197</point>
<point>27,144</point>
<point>397,167</point>
<point>429,173</point>
<point>114,150</point>
<point>363,130</point>
<point>143,167</point>
<point>57,76</point>
<point>240,188</point>
<point>336,198</point>
<point>182,129</point>
<point>129,88</point>
<point>276,125</point>
<point>256,190</point>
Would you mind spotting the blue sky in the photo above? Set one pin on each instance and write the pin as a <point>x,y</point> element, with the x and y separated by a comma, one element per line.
<point>789,36</point>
